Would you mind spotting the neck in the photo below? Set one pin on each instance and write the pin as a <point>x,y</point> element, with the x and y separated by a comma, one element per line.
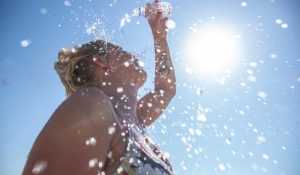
<point>123,96</point>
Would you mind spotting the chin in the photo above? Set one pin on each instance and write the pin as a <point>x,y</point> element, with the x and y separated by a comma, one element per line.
<point>141,81</point>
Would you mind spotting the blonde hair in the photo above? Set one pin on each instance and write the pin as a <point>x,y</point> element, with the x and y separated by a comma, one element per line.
<point>74,70</point>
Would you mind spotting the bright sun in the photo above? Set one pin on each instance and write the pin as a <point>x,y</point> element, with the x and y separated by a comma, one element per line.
<point>212,51</point>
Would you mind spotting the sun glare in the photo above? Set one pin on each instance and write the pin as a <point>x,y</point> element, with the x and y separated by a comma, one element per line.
<point>212,51</point>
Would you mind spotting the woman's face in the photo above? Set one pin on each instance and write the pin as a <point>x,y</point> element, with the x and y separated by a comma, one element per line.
<point>123,65</point>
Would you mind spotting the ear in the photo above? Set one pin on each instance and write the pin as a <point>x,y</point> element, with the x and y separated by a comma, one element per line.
<point>98,60</point>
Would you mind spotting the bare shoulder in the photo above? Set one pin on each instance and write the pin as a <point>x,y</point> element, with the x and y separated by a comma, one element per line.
<point>89,103</point>
<point>62,143</point>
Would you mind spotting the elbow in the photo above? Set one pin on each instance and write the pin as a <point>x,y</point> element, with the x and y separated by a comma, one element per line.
<point>171,92</point>
<point>167,90</point>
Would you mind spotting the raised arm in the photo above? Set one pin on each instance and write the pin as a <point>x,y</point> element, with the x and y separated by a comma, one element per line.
<point>75,139</point>
<point>152,105</point>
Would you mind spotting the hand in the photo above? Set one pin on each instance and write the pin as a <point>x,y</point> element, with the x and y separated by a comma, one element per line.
<point>156,21</point>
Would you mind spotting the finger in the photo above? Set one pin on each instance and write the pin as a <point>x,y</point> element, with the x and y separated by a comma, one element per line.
<point>148,10</point>
<point>158,16</point>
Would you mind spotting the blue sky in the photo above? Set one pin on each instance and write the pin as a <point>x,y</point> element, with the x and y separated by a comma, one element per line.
<point>244,122</point>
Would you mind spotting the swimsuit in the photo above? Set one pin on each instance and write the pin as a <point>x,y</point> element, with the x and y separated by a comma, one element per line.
<point>143,158</point>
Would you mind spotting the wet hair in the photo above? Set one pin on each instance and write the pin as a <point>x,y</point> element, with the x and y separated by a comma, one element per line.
<point>75,66</point>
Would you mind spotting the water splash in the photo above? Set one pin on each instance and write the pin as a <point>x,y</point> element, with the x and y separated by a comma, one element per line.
<point>164,7</point>
<point>97,29</point>
<point>126,19</point>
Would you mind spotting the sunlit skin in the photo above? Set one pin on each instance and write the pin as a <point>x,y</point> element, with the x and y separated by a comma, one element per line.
<point>89,112</point>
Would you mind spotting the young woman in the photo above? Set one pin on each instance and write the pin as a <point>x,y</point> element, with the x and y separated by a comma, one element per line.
<point>100,127</point>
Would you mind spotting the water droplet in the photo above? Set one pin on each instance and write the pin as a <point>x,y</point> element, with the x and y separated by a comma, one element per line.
<point>126,63</point>
<point>244,4</point>
<point>91,141</point>
<point>273,56</point>
<point>251,154</point>
<point>202,117</point>
<point>252,78</point>
<point>183,139</point>
<point>278,21</point>
<point>261,139</point>
<point>250,72</point>
<point>100,164</point>
<point>149,105</point>
<point>131,160</point>
<point>198,132</point>
<point>119,89</point>
<point>184,167</point>
<point>166,155</point>
<point>253,64</point>
<point>228,141</point>
<point>262,94</point>
<point>39,167</point>
<point>67,3</point>
<point>123,134</point>
<point>191,131</point>
<point>43,11</point>
<point>119,170</point>
<point>25,43</point>
<point>93,162</point>
<point>265,156</point>
<point>284,26</point>
<point>109,155</point>
<point>198,91</point>
<point>111,130</point>
<point>141,63</point>
<point>102,173</point>
<point>292,87</point>
<point>222,167</point>
<point>162,91</point>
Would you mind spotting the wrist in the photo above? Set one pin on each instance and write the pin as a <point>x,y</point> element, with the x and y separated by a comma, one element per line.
<point>159,35</point>
<point>159,38</point>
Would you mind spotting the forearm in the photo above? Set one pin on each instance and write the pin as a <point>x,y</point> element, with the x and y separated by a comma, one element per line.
<point>152,105</point>
<point>164,70</point>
